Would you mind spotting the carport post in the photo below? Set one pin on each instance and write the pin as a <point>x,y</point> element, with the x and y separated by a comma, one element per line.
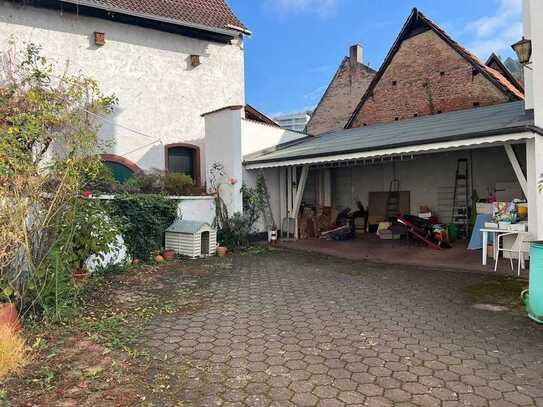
<point>326,185</point>
<point>298,198</point>
<point>283,209</point>
<point>517,168</point>
<point>534,164</point>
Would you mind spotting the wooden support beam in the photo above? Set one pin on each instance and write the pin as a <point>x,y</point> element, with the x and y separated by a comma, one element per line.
<point>300,190</point>
<point>517,168</point>
<point>283,211</point>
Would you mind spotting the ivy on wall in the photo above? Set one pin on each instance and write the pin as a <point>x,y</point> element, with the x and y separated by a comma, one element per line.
<point>143,220</point>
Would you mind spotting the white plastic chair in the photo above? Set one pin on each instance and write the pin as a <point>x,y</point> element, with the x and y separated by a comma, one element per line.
<point>516,248</point>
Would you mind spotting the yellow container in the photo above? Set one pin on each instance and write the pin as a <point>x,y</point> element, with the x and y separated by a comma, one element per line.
<point>522,211</point>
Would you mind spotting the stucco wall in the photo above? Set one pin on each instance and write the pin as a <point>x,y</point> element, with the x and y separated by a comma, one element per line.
<point>533,30</point>
<point>160,93</point>
<point>257,136</point>
<point>198,208</point>
<point>229,137</point>
<point>424,177</point>
<point>223,146</point>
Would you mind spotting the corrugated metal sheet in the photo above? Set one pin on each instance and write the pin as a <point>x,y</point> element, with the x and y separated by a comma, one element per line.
<point>458,125</point>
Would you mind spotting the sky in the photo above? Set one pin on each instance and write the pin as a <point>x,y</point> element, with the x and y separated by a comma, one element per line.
<point>297,45</point>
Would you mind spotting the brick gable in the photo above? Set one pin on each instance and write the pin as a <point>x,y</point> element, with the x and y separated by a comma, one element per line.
<point>341,97</point>
<point>426,73</point>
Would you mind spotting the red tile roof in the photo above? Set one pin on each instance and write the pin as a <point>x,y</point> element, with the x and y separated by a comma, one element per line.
<point>209,13</point>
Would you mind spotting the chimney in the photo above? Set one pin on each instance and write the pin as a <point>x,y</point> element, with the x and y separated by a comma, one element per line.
<point>356,55</point>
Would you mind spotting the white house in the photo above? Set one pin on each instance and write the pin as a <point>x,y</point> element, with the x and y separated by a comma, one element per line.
<point>166,61</point>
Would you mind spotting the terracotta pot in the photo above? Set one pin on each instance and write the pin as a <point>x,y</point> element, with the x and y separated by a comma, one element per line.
<point>221,251</point>
<point>169,255</point>
<point>9,317</point>
<point>80,276</point>
<point>159,259</point>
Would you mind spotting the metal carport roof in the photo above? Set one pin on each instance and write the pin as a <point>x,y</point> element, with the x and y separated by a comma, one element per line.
<point>502,123</point>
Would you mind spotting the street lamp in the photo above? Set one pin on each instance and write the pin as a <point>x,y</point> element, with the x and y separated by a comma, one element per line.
<point>523,49</point>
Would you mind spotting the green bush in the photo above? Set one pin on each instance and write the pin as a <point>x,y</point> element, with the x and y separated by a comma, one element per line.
<point>234,232</point>
<point>102,181</point>
<point>147,182</point>
<point>176,183</point>
<point>143,218</point>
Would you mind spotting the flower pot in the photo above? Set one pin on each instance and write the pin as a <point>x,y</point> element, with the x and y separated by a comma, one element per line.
<point>80,276</point>
<point>9,317</point>
<point>159,259</point>
<point>221,251</point>
<point>169,255</point>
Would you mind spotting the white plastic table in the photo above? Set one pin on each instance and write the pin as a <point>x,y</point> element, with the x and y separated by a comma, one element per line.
<point>494,231</point>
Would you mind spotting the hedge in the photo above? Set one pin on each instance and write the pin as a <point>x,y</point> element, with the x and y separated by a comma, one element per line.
<point>143,220</point>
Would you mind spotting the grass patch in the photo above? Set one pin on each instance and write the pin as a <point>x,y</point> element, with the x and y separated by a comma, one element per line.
<point>12,351</point>
<point>498,290</point>
<point>114,332</point>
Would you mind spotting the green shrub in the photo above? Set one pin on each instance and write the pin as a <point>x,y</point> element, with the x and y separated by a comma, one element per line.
<point>94,230</point>
<point>176,183</point>
<point>148,182</point>
<point>143,218</point>
<point>102,181</point>
<point>85,230</point>
<point>234,232</point>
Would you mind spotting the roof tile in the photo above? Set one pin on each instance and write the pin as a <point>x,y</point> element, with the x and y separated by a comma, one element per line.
<point>210,13</point>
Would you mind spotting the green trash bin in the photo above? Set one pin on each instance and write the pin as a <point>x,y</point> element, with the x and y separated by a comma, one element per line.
<point>533,297</point>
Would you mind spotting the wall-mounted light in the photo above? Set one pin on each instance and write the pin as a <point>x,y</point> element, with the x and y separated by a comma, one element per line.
<point>523,49</point>
<point>99,38</point>
<point>195,60</point>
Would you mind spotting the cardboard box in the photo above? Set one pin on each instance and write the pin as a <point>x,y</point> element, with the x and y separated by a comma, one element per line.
<point>389,236</point>
<point>490,251</point>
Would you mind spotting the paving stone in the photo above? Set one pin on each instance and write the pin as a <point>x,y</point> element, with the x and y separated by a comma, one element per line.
<point>287,329</point>
<point>305,399</point>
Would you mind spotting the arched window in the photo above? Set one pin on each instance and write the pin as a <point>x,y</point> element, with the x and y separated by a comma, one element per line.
<point>184,158</point>
<point>121,168</point>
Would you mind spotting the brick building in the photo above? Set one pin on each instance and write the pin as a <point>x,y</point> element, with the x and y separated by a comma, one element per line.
<point>342,95</point>
<point>427,72</point>
<point>512,70</point>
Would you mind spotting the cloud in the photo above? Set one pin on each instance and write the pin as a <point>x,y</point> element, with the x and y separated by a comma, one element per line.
<point>301,109</point>
<point>315,94</point>
<point>496,32</point>
<point>323,8</point>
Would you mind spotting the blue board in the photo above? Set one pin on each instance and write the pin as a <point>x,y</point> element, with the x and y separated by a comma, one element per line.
<point>476,241</point>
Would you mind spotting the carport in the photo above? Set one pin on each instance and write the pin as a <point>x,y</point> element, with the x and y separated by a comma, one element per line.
<point>500,141</point>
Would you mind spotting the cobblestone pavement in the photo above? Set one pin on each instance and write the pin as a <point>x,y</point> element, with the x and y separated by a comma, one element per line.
<point>289,329</point>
